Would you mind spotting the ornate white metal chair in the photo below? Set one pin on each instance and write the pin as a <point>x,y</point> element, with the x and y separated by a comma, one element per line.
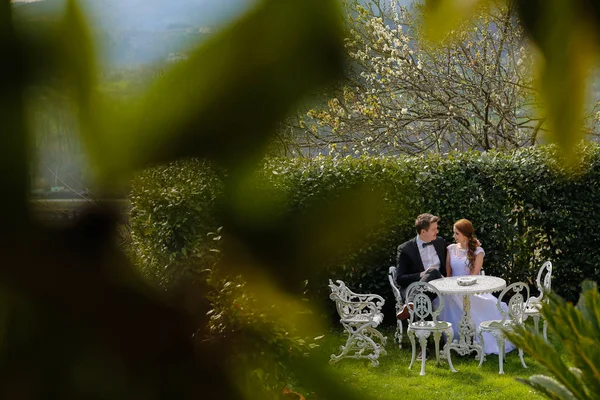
<point>535,303</point>
<point>359,314</point>
<point>514,316</point>
<point>399,305</point>
<point>418,325</point>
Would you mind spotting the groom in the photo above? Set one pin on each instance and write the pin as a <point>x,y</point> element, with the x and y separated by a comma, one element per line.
<point>422,258</point>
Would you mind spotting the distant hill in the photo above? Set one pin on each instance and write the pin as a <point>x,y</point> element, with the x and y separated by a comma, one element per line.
<point>142,14</point>
<point>134,32</point>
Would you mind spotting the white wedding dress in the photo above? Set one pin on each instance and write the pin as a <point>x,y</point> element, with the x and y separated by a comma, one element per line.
<point>483,306</point>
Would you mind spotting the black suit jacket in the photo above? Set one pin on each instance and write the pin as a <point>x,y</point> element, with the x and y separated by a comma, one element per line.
<point>409,264</point>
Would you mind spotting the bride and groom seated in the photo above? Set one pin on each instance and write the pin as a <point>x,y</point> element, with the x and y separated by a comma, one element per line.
<point>427,257</point>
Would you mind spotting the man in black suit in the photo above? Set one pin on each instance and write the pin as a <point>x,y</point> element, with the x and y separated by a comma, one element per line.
<point>422,258</point>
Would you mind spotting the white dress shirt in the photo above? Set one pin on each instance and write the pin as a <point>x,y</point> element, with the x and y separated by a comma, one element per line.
<point>428,255</point>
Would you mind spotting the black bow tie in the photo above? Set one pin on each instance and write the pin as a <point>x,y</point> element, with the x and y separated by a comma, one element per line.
<point>427,244</point>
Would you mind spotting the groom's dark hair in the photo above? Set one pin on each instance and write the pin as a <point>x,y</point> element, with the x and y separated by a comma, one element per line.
<point>424,220</point>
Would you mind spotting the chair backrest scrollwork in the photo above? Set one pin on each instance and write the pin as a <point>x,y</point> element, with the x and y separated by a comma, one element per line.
<point>545,284</point>
<point>340,292</point>
<point>517,304</point>
<point>350,304</point>
<point>395,289</point>
<point>423,305</point>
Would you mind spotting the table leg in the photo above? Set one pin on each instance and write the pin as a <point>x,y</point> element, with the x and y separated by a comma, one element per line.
<point>466,328</point>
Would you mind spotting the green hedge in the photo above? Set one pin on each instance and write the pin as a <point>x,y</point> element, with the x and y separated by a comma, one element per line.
<point>172,212</point>
<point>525,206</point>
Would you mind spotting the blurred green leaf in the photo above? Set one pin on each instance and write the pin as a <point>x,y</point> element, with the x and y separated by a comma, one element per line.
<point>568,53</point>
<point>13,138</point>
<point>294,246</point>
<point>226,99</point>
<point>441,16</point>
<point>566,34</point>
<point>550,387</point>
<point>76,54</point>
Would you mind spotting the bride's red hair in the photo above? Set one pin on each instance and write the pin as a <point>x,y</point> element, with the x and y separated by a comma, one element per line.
<point>465,227</point>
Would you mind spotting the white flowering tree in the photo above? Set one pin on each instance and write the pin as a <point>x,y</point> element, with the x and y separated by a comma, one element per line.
<point>403,95</point>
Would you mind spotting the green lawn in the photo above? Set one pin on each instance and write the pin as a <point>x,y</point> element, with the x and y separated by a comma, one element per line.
<point>393,380</point>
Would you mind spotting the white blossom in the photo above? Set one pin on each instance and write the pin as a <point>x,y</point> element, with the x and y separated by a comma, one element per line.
<point>446,89</point>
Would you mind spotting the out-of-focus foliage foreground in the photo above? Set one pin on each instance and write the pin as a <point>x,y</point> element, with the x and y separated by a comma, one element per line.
<point>77,321</point>
<point>575,369</point>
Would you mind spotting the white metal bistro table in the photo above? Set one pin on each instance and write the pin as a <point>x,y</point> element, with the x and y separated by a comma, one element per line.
<point>466,327</point>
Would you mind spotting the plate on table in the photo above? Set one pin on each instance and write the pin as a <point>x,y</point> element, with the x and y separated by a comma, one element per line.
<point>466,281</point>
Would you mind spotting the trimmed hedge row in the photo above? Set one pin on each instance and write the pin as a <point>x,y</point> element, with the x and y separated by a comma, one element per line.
<point>347,216</point>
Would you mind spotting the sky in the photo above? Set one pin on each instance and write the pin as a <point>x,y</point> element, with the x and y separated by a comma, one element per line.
<point>148,14</point>
<point>137,31</point>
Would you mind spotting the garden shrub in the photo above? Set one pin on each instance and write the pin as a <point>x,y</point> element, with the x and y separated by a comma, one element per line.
<point>172,214</point>
<point>526,206</point>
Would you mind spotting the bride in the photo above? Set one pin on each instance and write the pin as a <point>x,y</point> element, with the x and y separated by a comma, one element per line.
<point>466,258</point>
